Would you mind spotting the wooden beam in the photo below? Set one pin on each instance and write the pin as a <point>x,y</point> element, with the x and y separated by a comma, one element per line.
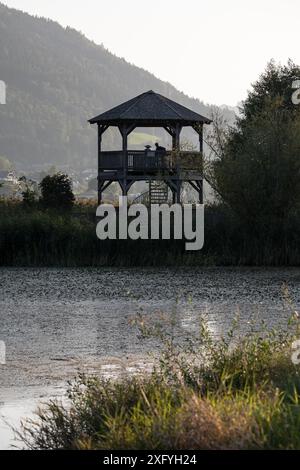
<point>99,164</point>
<point>129,184</point>
<point>106,186</point>
<point>130,129</point>
<point>178,191</point>
<point>199,129</point>
<point>101,130</point>
<point>198,186</point>
<point>177,136</point>
<point>200,191</point>
<point>125,185</point>
<point>170,130</point>
<point>194,186</point>
<point>201,139</point>
<point>124,133</point>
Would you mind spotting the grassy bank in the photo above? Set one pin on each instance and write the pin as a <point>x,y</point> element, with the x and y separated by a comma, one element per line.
<point>39,237</point>
<point>237,393</point>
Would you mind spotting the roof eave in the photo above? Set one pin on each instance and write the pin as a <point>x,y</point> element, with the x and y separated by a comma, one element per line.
<point>116,122</point>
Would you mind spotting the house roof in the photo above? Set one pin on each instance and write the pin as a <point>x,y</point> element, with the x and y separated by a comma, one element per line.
<point>150,108</point>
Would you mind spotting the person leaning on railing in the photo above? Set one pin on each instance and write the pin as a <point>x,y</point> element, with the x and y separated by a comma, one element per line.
<point>160,151</point>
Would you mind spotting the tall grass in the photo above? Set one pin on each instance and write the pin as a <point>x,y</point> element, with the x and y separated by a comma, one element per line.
<point>32,236</point>
<point>235,393</point>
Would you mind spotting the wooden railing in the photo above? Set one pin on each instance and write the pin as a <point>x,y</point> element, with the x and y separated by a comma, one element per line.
<point>187,160</point>
<point>137,160</point>
<point>111,160</point>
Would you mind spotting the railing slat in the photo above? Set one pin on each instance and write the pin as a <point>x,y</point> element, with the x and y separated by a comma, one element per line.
<point>139,160</point>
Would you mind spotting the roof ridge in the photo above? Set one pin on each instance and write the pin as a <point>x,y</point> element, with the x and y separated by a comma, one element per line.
<point>182,106</point>
<point>138,98</point>
<point>165,99</point>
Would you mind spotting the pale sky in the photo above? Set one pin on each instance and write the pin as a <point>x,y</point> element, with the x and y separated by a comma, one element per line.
<point>212,50</point>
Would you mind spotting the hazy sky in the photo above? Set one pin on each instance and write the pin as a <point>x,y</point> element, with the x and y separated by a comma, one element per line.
<point>212,49</point>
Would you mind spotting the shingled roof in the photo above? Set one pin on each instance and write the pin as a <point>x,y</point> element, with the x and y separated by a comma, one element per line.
<point>150,108</point>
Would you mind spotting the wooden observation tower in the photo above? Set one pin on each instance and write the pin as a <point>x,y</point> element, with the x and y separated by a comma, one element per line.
<point>172,167</point>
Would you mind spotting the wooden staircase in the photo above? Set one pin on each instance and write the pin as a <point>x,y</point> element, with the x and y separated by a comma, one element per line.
<point>158,192</point>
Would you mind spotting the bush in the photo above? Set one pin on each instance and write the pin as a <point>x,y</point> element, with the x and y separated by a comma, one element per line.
<point>57,192</point>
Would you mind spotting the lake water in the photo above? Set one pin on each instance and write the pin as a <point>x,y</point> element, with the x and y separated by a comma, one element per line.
<point>58,322</point>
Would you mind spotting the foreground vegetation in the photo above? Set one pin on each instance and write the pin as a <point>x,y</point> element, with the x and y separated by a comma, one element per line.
<point>236,393</point>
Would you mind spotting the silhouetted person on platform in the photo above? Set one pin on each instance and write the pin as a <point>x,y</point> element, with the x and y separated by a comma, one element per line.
<point>160,151</point>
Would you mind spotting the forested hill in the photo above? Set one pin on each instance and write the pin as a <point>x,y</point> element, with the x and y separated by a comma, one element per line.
<point>57,79</point>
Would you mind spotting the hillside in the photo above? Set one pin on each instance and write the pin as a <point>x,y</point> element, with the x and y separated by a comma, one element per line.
<point>57,79</point>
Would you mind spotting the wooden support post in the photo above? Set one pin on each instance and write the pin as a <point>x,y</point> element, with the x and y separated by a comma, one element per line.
<point>176,147</point>
<point>200,183</point>
<point>173,187</point>
<point>173,196</point>
<point>174,143</point>
<point>99,165</point>
<point>177,136</point>
<point>124,134</point>
<point>100,183</point>
<point>125,131</point>
<point>200,186</point>
<point>201,139</point>
<point>178,191</point>
<point>106,185</point>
